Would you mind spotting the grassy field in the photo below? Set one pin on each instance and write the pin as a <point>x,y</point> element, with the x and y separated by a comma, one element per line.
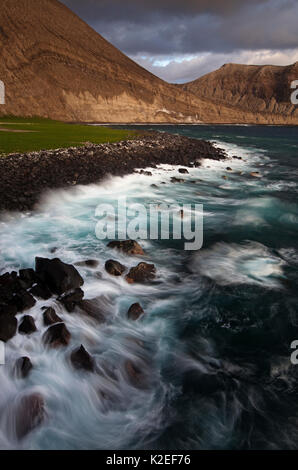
<point>33,134</point>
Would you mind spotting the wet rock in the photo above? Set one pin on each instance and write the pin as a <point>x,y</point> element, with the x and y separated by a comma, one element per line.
<point>58,276</point>
<point>30,414</point>
<point>8,309</point>
<point>114,268</point>
<point>23,367</point>
<point>41,291</point>
<point>82,360</point>
<point>229,168</point>
<point>27,325</point>
<point>24,301</point>
<point>92,310</point>
<point>135,312</point>
<point>141,273</point>
<point>256,174</point>
<point>50,317</point>
<point>135,374</point>
<point>8,327</point>
<point>72,299</point>
<point>28,276</point>
<point>154,186</point>
<point>57,336</point>
<point>183,171</point>
<point>177,180</point>
<point>129,247</point>
<point>145,173</point>
<point>90,263</point>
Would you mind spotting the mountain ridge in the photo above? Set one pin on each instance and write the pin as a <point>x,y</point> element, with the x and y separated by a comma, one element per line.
<point>56,66</point>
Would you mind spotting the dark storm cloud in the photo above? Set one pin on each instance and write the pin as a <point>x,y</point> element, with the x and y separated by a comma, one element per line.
<point>180,40</point>
<point>191,26</point>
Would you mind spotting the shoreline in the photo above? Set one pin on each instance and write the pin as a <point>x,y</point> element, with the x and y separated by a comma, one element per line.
<point>24,177</point>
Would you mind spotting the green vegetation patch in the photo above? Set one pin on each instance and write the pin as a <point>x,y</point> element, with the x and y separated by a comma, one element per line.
<point>20,135</point>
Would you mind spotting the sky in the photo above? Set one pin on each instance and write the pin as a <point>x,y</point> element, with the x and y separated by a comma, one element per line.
<point>181,40</point>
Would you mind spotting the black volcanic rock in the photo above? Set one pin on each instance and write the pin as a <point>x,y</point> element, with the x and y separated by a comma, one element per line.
<point>135,312</point>
<point>114,268</point>
<point>59,277</point>
<point>8,327</point>
<point>50,317</point>
<point>129,247</point>
<point>57,336</point>
<point>72,299</point>
<point>141,273</point>
<point>82,360</point>
<point>23,367</point>
<point>41,291</point>
<point>27,325</point>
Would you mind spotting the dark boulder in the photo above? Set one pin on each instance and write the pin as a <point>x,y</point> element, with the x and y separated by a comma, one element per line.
<point>8,309</point>
<point>23,367</point>
<point>135,312</point>
<point>50,317</point>
<point>90,263</point>
<point>183,171</point>
<point>27,326</point>
<point>129,247</point>
<point>141,273</point>
<point>24,301</point>
<point>27,276</point>
<point>8,327</point>
<point>71,300</point>
<point>41,291</point>
<point>58,276</point>
<point>92,309</point>
<point>82,360</point>
<point>57,335</point>
<point>177,180</point>
<point>114,268</point>
<point>30,413</point>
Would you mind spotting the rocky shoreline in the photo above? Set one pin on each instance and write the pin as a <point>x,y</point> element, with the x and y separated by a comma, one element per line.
<point>24,177</point>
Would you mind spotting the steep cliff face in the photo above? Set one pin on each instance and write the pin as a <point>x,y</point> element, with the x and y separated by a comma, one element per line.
<point>254,94</point>
<point>54,65</point>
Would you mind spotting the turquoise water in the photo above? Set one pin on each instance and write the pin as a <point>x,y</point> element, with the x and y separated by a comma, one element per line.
<point>214,345</point>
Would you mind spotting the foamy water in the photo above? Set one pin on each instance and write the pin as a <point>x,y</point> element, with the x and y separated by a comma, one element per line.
<point>105,410</point>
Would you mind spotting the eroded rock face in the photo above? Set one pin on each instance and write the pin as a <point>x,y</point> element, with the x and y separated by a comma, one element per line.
<point>8,327</point>
<point>135,312</point>
<point>30,413</point>
<point>27,325</point>
<point>114,268</point>
<point>57,336</point>
<point>144,272</point>
<point>59,277</point>
<point>82,360</point>
<point>23,367</point>
<point>129,247</point>
<point>50,317</point>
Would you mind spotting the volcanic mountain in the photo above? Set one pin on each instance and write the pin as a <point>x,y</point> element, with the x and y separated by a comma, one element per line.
<point>54,65</point>
<point>252,94</point>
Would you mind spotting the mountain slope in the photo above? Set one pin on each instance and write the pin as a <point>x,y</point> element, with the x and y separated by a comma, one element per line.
<point>54,65</point>
<point>255,94</point>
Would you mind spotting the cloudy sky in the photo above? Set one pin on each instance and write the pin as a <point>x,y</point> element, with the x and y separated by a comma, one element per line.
<point>180,40</point>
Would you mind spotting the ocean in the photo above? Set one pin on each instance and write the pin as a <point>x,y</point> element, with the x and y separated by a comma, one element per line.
<point>213,349</point>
